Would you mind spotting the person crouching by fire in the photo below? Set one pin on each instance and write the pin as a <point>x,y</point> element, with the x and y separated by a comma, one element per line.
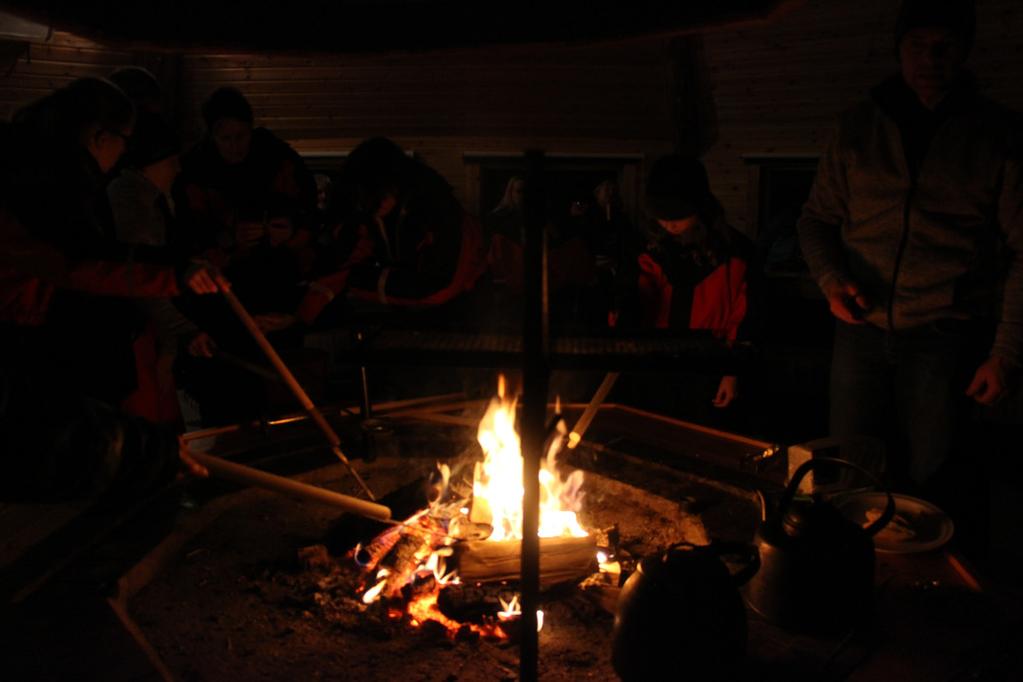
<point>695,273</point>
<point>401,240</point>
<point>66,321</point>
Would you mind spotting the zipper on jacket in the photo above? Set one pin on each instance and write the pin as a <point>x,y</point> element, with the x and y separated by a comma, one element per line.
<point>898,255</point>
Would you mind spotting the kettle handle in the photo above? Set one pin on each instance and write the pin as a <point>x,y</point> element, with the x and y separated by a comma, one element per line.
<point>809,465</point>
<point>749,553</point>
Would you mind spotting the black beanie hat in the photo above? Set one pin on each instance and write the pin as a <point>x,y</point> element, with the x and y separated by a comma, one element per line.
<point>153,141</point>
<point>958,16</point>
<point>677,188</point>
<point>224,103</point>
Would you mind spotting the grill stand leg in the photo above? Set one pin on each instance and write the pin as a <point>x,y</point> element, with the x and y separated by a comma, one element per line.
<point>535,377</point>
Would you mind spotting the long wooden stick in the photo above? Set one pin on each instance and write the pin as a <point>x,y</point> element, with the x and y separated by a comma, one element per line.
<point>247,366</point>
<point>290,380</point>
<point>576,436</point>
<point>245,475</point>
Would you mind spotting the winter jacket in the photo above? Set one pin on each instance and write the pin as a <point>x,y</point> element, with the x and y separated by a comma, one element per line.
<point>63,270</point>
<point>210,194</point>
<point>32,270</point>
<point>924,211</point>
<point>143,215</point>
<point>56,233</point>
<point>683,284</point>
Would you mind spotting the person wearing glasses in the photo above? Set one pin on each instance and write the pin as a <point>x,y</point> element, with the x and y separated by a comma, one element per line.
<point>67,321</point>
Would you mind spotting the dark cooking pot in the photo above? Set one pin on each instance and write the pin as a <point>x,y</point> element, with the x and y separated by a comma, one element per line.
<point>680,615</point>
<point>816,566</point>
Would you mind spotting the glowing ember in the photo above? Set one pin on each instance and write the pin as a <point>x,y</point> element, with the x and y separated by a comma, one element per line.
<point>374,592</point>
<point>512,609</point>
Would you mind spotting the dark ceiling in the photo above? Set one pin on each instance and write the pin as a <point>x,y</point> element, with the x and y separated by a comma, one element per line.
<point>381,25</point>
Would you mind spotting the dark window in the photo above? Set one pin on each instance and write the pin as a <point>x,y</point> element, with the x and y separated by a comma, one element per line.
<point>567,178</point>
<point>782,185</point>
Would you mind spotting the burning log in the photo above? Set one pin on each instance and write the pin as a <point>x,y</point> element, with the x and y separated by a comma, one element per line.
<point>403,559</point>
<point>396,555</point>
<point>561,559</point>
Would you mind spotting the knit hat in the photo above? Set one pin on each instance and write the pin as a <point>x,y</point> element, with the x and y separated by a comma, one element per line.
<point>677,188</point>
<point>224,103</point>
<point>153,141</point>
<point>958,16</point>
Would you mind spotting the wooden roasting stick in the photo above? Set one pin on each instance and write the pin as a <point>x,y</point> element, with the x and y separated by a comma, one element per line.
<point>289,379</point>
<point>576,436</point>
<point>245,475</point>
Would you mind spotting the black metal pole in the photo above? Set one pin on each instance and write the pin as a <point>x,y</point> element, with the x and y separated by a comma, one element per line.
<point>366,407</point>
<point>534,405</point>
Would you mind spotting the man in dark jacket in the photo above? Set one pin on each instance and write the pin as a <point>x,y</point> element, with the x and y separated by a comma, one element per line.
<point>233,170</point>
<point>914,232</point>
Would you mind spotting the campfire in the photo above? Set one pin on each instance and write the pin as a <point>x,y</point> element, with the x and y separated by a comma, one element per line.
<point>460,555</point>
<point>264,614</point>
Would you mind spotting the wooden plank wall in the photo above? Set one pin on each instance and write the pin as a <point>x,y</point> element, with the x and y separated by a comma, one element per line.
<point>33,70</point>
<point>780,88</point>
<point>598,99</point>
<point>606,99</point>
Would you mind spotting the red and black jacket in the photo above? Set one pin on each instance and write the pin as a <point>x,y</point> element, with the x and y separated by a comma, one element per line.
<point>698,282</point>
<point>62,271</point>
<point>56,232</point>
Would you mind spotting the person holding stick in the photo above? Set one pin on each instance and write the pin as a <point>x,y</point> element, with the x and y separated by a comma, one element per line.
<point>66,359</point>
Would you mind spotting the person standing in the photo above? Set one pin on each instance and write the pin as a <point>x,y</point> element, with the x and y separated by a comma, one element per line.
<point>914,233</point>
<point>695,273</point>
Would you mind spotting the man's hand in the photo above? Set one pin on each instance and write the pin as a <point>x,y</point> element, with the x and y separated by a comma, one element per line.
<point>847,302</point>
<point>202,346</point>
<point>728,390</point>
<point>200,278</point>
<point>188,463</point>
<point>990,381</point>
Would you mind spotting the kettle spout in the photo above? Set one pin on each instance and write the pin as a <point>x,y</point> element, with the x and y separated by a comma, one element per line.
<point>759,461</point>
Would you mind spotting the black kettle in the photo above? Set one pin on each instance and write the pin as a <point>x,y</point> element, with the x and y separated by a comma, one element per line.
<point>816,566</point>
<point>680,615</point>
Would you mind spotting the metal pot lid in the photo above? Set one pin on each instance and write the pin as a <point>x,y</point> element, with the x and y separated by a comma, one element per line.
<point>918,525</point>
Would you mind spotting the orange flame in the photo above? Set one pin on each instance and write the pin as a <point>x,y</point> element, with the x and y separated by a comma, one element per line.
<point>497,485</point>
<point>496,500</point>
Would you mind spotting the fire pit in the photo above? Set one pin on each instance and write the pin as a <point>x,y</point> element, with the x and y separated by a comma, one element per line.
<point>250,592</point>
<point>234,600</point>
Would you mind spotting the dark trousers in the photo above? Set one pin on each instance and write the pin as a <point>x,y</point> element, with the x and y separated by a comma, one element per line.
<point>909,389</point>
